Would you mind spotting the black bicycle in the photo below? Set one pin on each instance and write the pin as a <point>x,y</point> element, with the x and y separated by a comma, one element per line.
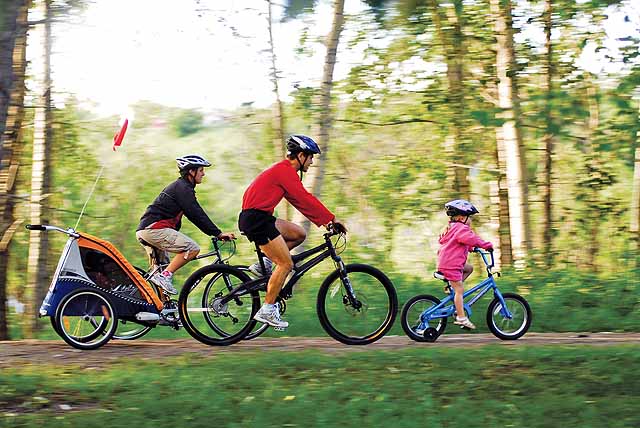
<point>356,304</point>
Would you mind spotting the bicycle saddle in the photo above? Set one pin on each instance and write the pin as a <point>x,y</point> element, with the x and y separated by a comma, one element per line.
<point>156,256</point>
<point>439,275</point>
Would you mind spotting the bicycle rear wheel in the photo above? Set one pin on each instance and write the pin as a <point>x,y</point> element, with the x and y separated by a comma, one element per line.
<point>86,319</point>
<point>259,328</point>
<point>509,328</point>
<point>202,315</point>
<point>373,313</point>
<point>130,330</point>
<point>410,317</point>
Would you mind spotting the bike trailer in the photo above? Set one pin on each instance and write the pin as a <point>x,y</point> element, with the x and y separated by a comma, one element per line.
<point>90,262</point>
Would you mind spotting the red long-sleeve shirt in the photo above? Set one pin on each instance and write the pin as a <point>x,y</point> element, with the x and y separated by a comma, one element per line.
<point>279,181</point>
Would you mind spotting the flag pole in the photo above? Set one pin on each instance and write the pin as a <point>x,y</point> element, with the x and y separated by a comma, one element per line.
<point>117,141</point>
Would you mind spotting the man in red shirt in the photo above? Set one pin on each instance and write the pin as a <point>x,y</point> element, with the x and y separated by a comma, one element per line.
<point>276,237</point>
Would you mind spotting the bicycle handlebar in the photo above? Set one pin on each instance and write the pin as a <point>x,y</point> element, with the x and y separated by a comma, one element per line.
<point>35,227</point>
<point>47,227</point>
<point>483,254</point>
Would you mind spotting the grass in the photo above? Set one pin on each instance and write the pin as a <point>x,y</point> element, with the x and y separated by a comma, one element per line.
<point>424,386</point>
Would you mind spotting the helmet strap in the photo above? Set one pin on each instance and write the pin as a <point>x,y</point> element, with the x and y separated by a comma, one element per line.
<point>301,163</point>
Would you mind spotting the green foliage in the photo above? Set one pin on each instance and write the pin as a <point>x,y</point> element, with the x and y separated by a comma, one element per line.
<point>187,122</point>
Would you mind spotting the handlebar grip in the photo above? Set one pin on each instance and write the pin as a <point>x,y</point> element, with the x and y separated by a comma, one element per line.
<point>35,227</point>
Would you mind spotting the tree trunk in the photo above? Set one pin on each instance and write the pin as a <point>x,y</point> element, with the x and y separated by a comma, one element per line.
<point>13,46</point>
<point>451,40</point>
<point>593,121</point>
<point>37,261</point>
<point>504,228</point>
<point>315,176</point>
<point>278,123</point>
<point>278,111</point>
<point>514,155</point>
<point>547,150</point>
<point>634,226</point>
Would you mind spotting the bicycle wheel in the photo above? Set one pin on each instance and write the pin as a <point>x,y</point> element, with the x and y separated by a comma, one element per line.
<point>86,319</point>
<point>131,330</point>
<point>410,317</point>
<point>372,315</point>
<point>259,328</point>
<point>204,318</point>
<point>509,328</point>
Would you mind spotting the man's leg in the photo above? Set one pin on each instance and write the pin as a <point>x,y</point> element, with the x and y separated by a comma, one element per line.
<point>278,251</point>
<point>181,259</point>
<point>293,234</point>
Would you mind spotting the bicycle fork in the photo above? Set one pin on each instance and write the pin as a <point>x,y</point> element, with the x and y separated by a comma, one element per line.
<point>504,311</point>
<point>350,297</point>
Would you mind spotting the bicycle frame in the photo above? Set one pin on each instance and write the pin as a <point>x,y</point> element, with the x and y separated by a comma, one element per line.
<point>214,253</point>
<point>326,250</point>
<point>445,308</point>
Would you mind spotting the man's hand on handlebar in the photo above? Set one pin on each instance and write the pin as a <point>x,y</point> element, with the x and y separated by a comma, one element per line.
<point>226,236</point>
<point>337,226</point>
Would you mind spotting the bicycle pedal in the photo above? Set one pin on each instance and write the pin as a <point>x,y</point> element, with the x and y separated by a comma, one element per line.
<point>465,328</point>
<point>280,328</point>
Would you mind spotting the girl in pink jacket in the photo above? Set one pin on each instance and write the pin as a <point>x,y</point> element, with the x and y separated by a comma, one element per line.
<point>455,242</point>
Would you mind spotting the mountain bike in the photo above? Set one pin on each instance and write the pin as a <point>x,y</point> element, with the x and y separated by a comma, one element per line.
<point>424,317</point>
<point>356,303</point>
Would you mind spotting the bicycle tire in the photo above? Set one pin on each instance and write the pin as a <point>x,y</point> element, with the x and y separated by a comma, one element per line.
<point>259,328</point>
<point>86,319</point>
<point>136,330</point>
<point>520,322</point>
<point>196,298</point>
<point>410,316</point>
<point>373,289</point>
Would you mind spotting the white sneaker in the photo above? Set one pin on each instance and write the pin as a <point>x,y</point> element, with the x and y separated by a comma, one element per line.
<point>164,282</point>
<point>271,317</point>
<point>256,269</point>
<point>464,322</point>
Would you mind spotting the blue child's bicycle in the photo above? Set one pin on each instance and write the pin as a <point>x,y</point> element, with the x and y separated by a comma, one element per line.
<point>424,317</point>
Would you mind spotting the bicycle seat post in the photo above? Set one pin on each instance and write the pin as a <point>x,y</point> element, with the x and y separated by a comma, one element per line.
<point>260,258</point>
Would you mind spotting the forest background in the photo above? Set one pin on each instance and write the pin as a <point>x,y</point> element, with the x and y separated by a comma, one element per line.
<point>530,109</point>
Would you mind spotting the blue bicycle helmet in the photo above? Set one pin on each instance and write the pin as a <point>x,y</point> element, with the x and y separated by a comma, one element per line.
<point>460,207</point>
<point>301,143</point>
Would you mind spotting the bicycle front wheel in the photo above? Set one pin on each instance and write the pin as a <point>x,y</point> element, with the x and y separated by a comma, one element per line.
<point>364,320</point>
<point>509,328</point>
<point>202,314</point>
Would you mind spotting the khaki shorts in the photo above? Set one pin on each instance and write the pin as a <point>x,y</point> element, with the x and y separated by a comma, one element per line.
<point>168,241</point>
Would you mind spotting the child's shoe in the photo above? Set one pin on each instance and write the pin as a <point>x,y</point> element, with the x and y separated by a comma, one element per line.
<point>465,323</point>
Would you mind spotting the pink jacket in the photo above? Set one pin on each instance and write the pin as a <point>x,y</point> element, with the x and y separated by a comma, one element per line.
<point>455,244</point>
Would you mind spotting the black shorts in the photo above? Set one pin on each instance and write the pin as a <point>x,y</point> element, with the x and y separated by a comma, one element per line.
<point>259,226</point>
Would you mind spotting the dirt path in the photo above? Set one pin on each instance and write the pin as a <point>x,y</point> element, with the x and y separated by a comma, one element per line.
<point>37,352</point>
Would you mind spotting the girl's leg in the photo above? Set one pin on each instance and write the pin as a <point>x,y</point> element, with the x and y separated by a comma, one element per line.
<point>466,271</point>
<point>458,289</point>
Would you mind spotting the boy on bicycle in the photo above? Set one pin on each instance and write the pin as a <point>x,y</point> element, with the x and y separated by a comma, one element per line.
<point>276,237</point>
<point>160,223</point>
<point>455,242</point>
